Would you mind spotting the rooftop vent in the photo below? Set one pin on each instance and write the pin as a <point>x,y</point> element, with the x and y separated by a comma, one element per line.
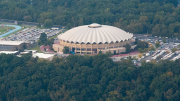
<point>94,25</point>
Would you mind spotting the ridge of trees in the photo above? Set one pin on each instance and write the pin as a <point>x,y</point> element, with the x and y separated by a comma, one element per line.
<point>159,17</point>
<point>87,78</point>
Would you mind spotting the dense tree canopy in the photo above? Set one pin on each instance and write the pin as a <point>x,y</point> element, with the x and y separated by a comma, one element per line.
<point>66,50</point>
<point>157,44</point>
<point>43,39</point>
<point>142,44</point>
<point>159,17</point>
<point>87,78</point>
<point>128,48</point>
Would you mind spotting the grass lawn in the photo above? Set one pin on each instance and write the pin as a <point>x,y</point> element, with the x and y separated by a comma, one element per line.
<point>23,27</point>
<point>7,23</point>
<point>26,26</point>
<point>56,35</point>
<point>5,29</point>
<point>36,48</point>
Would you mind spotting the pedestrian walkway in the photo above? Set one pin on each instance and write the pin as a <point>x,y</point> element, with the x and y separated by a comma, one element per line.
<point>46,49</point>
<point>11,31</point>
<point>125,55</point>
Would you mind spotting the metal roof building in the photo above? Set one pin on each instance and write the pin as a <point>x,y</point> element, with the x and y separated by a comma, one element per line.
<point>90,39</point>
<point>95,33</point>
<point>11,43</point>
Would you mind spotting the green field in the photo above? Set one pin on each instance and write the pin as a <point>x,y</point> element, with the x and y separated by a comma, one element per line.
<point>56,35</point>
<point>5,29</point>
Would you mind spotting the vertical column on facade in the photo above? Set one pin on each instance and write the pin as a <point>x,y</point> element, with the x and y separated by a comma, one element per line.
<point>71,46</point>
<point>80,48</point>
<point>75,48</point>
<point>91,49</point>
<point>86,48</point>
<point>103,45</point>
<point>97,48</point>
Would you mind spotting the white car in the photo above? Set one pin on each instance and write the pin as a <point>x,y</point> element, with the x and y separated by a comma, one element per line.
<point>147,54</point>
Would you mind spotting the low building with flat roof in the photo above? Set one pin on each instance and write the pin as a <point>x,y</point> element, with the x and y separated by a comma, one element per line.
<point>43,56</point>
<point>13,45</point>
<point>8,52</point>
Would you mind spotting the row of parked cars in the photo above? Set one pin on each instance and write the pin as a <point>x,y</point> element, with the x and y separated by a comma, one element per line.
<point>31,35</point>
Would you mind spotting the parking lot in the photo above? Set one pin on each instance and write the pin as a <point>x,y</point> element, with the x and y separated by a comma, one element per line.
<point>32,34</point>
<point>162,53</point>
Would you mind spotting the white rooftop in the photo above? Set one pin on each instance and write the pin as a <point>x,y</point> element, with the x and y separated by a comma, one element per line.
<point>11,42</point>
<point>42,55</point>
<point>33,51</point>
<point>8,52</point>
<point>95,33</point>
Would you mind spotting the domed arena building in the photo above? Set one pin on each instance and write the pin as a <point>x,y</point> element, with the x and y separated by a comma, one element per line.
<point>91,39</point>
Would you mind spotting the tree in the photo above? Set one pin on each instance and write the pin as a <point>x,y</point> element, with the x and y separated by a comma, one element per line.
<point>128,48</point>
<point>164,40</point>
<point>153,61</point>
<point>28,18</point>
<point>173,50</point>
<point>178,46</point>
<point>43,39</point>
<point>140,50</point>
<point>50,41</point>
<point>157,44</point>
<point>156,30</point>
<point>151,48</point>
<point>68,25</point>
<point>140,55</point>
<point>136,41</point>
<point>143,19</point>
<point>48,23</point>
<point>142,44</point>
<point>109,54</point>
<point>66,50</point>
<point>39,25</point>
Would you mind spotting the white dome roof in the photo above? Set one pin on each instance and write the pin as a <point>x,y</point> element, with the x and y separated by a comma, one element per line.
<point>95,33</point>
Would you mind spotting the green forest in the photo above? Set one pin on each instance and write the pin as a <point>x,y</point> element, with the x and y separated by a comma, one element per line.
<point>92,78</point>
<point>87,78</point>
<point>157,17</point>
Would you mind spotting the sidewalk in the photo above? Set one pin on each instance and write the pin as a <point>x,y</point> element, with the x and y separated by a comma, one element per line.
<point>125,55</point>
<point>47,48</point>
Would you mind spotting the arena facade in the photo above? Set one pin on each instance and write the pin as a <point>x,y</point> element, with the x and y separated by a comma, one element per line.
<point>91,39</point>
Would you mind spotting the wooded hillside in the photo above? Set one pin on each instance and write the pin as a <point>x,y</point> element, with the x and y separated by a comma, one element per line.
<point>159,17</point>
<point>87,78</point>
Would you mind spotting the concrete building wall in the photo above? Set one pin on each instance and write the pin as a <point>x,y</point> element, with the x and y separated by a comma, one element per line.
<point>15,47</point>
<point>92,48</point>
